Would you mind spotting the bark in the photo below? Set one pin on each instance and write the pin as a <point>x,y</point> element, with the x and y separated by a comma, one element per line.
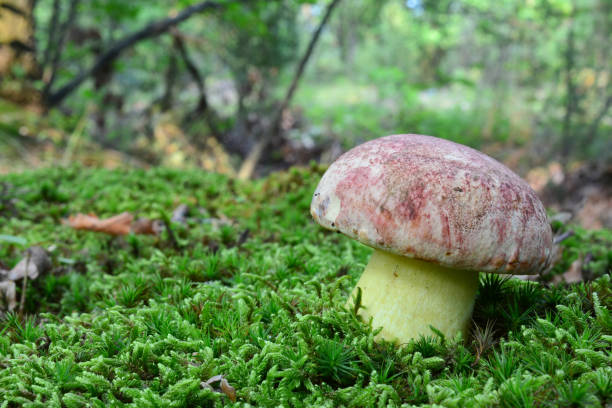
<point>51,33</point>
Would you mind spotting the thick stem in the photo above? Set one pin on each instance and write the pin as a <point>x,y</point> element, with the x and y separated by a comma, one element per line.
<point>406,296</point>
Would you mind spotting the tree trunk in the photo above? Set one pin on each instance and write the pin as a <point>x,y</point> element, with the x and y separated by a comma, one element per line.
<point>17,53</point>
<point>272,131</point>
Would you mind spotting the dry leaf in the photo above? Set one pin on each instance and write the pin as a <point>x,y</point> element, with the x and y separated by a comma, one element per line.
<point>36,262</point>
<point>146,226</point>
<point>572,275</point>
<point>214,379</point>
<point>8,295</point>
<point>180,213</point>
<point>121,224</point>
<point>228,390</point>
<point>117,225</point>
<point>225,386</point>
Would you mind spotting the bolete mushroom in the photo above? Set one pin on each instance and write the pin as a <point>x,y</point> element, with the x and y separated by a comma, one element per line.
<point>436,213</point>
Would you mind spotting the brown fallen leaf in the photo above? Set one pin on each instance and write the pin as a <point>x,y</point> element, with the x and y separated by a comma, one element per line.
<point>228,390</point>
<point>224,385</point>
<point>121,224</point>
<point>36,262</point>
<point>117,225</point>
<point>146,226</point>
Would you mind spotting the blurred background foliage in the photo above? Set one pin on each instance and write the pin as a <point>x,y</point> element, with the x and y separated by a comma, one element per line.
<point>527,81</point>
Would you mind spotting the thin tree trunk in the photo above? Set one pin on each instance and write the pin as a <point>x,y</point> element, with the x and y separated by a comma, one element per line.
<point>570,105</point>
<point>272,131</point>
<point>59,46</point>
<point>51,33</point>
<point>203,107</point>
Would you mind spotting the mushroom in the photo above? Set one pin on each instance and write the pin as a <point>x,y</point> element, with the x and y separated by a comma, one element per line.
<point>437,213</point>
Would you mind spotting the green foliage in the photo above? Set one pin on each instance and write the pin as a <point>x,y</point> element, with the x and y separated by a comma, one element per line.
<point>140,321</point>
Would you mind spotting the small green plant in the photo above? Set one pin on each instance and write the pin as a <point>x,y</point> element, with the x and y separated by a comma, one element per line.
<point>336,361</point>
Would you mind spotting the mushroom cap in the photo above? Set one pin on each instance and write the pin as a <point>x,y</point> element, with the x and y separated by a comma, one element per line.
<point>428,198</point>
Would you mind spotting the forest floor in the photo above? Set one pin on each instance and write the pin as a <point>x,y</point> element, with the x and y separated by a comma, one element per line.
<point>224,291</point>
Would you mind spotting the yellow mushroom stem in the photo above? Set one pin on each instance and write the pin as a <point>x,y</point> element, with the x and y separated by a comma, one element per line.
<point>406,296</point>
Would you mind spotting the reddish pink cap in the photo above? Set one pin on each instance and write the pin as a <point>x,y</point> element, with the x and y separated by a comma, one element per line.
<point>432,199</point>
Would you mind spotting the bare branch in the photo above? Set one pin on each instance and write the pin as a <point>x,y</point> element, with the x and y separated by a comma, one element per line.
<point>203,106</point>
<point>153,29</point>
<point>59,47</point>
<point>168,97</point>
<point>52,31</point>
<point>13,9</point>
<point>191,66</point>
<point>250,162</point>
<point>594,128</point>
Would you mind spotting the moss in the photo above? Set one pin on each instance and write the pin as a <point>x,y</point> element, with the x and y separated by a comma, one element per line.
<point>254,290</point>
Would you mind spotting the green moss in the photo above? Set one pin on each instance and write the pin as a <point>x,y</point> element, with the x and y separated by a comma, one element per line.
<point>254,290</point>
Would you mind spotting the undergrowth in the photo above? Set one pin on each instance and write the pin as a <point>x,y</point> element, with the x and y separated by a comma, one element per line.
<point>251,289</point>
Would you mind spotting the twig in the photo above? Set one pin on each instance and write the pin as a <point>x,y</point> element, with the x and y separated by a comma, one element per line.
<point>24,284</point>
<point>191,66</point>
<point>560,238</point>
<point>171,236</point>
<point>250,162</point>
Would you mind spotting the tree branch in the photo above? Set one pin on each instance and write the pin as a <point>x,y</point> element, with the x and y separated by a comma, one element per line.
<point>153,29</point>
<point>250,162</point>
<point>13,9</point>
<point>594,128</point>
<point>203,106</point>
<point>59,47</point>
<point>51,33</point>
<point>179,43</point>
<point>571,103</point>
<point>168,96</point>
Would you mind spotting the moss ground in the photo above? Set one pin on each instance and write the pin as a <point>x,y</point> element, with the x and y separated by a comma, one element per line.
<point>252,289</point>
